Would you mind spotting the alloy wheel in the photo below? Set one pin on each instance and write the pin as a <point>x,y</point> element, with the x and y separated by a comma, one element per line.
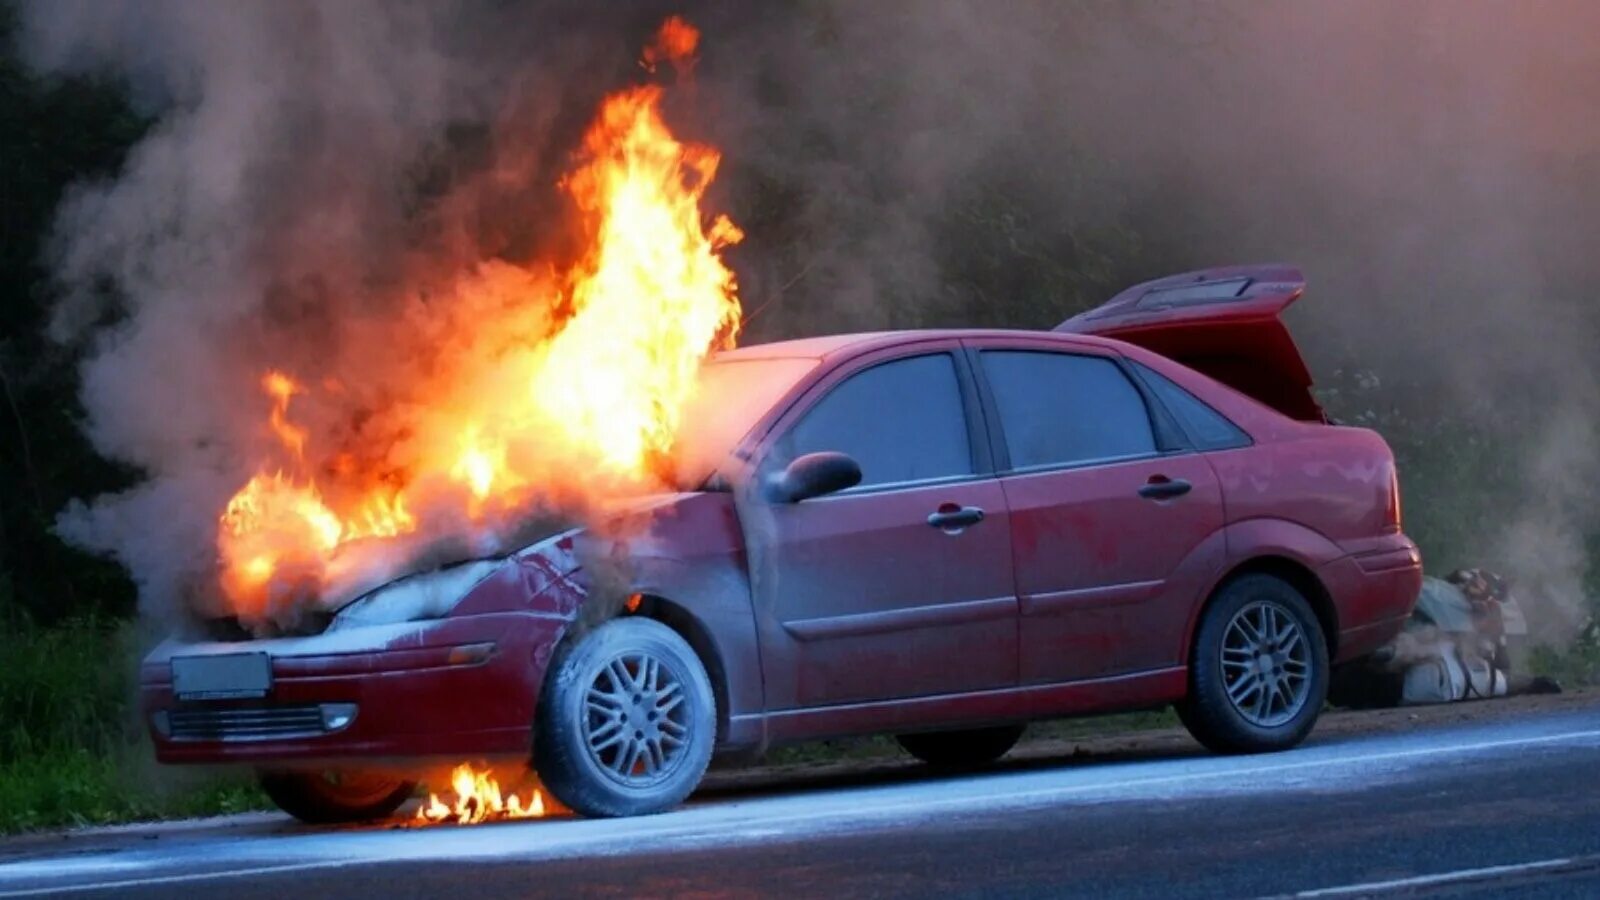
<point>636,719</point>
<point>1266,664</point>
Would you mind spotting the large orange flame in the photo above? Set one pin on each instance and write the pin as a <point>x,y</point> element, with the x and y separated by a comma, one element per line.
<point>528,404</point>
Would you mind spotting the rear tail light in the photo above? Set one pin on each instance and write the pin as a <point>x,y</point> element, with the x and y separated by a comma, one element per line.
<point>1394,499</point>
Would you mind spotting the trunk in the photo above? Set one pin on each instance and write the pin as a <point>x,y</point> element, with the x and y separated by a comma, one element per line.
<point>1222,322</point>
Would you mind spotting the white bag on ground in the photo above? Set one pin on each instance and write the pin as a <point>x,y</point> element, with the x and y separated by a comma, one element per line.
<point>1446,677</point>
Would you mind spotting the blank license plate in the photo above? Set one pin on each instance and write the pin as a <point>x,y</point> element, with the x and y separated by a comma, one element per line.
<point>227,677</point>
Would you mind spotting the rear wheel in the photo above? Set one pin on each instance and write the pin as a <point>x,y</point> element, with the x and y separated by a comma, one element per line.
<point>1259,673</point>
<point>973,747</point>
<point>627,721</point>
<point>323,798</point>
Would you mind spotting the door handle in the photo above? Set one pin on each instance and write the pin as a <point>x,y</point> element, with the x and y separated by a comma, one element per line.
<point>1161,487</point>
<point>953,519</point>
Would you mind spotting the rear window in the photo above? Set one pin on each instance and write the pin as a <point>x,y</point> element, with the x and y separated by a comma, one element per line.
<point>901,421</point>
<point>1194,294</point>
<point>1207,428</point>
<point>1064,409</point>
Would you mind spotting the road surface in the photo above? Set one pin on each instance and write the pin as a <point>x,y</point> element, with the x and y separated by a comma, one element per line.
<point>1506,803</point>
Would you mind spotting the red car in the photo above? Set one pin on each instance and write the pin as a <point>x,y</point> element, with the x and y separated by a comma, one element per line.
<point>941,535</point>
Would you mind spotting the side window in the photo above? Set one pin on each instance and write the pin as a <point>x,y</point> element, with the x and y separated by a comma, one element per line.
<point>1061,408</point>
<point>902,421</point>
<point>1209,429</point>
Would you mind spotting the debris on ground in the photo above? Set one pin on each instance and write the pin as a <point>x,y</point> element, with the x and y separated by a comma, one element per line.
<point>1465,641</point>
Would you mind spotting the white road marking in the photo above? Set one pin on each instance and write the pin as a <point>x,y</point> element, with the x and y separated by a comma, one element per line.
<point>786,817</point>
<point>1443,878</point>
<point>168,879</point>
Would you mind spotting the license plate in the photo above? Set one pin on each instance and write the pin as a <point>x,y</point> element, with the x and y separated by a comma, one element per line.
<point>230,677</point>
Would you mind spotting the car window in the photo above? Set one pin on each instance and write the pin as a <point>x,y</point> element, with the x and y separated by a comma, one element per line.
<point>1209,429</point>
<point>901,421</point>
<point>1062,408</point>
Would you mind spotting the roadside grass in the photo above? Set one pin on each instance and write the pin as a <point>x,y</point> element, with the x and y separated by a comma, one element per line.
<point>72,751</point>
<point>1576,666</point>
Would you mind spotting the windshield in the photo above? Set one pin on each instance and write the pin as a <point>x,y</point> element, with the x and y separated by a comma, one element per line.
<point>732,395</point>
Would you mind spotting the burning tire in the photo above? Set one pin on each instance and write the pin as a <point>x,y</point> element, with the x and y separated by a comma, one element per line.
<point>1259,673</point>
<point>324,798</point>
<point>973,747</point>
<point>627,721</point>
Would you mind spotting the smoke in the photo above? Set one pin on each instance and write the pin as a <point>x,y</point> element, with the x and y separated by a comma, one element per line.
<point>1432,165</point>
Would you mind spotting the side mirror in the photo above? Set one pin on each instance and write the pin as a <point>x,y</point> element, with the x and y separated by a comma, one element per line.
<point>814,475</point>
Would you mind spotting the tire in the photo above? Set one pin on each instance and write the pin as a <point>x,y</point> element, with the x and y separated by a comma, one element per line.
<point>654,685</point>
<point>961,749</point>
<point>1279,694</point>
<point>326,798</point>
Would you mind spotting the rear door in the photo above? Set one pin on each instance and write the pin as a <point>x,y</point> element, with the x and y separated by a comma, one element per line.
<point>900,587</point>
<point>1112,515</point>
<point>1223,322</point>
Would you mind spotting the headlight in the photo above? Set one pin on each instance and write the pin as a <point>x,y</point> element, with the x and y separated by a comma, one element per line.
<point>430,595</point>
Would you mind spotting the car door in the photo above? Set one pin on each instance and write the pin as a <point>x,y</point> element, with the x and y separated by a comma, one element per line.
<point>1112,515</point>
<point>901,586</point>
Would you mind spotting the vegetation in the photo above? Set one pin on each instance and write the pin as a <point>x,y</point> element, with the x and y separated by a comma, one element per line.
<point>72,751</point>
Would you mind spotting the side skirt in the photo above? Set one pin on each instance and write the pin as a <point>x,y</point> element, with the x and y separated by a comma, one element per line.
<point>1139,690</point>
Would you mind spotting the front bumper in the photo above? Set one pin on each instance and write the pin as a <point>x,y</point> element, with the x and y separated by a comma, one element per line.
<point>462,687</point>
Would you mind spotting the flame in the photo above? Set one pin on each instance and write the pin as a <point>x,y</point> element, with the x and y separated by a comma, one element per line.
<point>477,798</point>
<point>551,384</point>
<point>675,42</point>
<point>280,388</point>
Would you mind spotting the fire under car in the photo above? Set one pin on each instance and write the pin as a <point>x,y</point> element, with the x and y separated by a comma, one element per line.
<point>938,535</point>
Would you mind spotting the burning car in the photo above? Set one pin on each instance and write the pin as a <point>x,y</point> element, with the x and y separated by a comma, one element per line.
<point>940,535</point>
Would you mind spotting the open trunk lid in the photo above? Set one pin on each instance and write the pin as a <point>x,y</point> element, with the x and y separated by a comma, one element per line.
<point>1223,322</point>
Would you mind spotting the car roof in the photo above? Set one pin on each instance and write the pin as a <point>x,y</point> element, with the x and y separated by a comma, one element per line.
<point>866,341</point>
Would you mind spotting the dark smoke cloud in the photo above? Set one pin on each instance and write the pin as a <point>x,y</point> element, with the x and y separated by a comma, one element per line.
<point>1432,164</point>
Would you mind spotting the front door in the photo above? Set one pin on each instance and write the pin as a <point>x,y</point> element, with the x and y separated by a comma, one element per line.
<point>1115,530</point>
<point>900,587</point>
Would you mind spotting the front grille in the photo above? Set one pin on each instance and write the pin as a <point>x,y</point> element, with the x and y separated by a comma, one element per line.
<point>245,724</point>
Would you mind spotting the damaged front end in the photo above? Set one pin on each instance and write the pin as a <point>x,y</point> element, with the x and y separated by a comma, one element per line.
<point>444,663</point>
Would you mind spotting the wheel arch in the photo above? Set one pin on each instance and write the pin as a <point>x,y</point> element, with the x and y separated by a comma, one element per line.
<point>1297,574</point>
<point>695,633</point>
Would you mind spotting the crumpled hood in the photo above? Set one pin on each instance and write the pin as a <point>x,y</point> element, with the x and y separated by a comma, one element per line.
<point>438,592</point>
<point>505,582</point>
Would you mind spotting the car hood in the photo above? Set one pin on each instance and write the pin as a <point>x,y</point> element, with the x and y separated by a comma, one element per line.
<point>506,582</point>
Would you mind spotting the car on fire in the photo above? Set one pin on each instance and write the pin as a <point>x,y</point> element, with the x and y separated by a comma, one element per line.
<point>939,535</point>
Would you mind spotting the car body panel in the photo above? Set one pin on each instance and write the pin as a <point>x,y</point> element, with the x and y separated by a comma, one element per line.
<point>929,597</point>
<point>690,552</point>
<point>1107,577</point>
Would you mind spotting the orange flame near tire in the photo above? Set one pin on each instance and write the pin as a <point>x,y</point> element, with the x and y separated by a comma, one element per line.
<point>477,799</point>
<point>552,385</point>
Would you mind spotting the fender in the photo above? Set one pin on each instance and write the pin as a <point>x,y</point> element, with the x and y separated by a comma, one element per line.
<point>1261,538</point>
<point>715,591</point>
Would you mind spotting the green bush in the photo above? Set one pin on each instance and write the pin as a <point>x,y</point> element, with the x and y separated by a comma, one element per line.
<point>72,750</point>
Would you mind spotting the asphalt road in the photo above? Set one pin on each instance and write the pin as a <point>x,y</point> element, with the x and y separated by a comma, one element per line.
<point>1508,805</point>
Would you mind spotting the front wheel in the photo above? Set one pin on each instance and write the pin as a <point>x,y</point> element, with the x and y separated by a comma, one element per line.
<point>1259,673</point>
<point>960,749</point>
<point>627,721</point>
<point>325,798</point>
